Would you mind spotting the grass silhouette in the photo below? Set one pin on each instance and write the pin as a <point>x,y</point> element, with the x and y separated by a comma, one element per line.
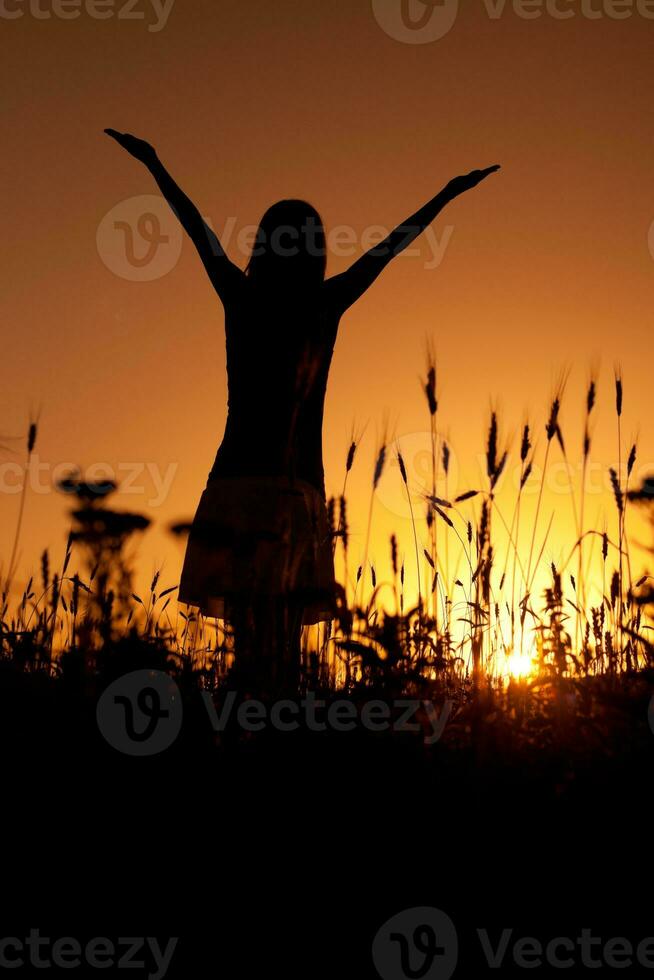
<point>519,671</point>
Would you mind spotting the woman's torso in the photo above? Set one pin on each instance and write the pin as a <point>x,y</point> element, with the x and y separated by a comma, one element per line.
<point>279,350</point>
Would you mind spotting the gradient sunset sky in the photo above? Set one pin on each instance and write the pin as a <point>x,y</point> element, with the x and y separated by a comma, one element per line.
<point>547,266</point>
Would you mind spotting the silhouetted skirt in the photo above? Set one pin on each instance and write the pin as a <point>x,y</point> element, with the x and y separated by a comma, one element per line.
<point>256,538</point>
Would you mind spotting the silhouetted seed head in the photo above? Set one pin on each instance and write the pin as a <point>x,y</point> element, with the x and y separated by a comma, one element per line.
<point>394,554</point>
<point>574,583</point>
<point>491,449</point>
<point>45,570</point>
<point>605,546</point>
<point>618,391</point>
<point>468,495</point>
<point>483,524</point>
<point>400,463</point>
<point>615,588</point>
<point>379,466</point>
<point>430,389</point>
<point>359,573</point>
<point>617,492</point>
<point>443,516</point>
<point>430,516</point>
<point>469,532</point>
<point>590,397</point>
<point>632,460</point>
<point>553,421</point>
<point>525,446</point>
<point>439,501</point>
<point>526,474</point>
<point>586,444</point>
<point>597,626</point>
<point>373,575</point>
<point>446,458</point>
<point>75,598</point>
<point>429,558</point>
<point>31,437</point>
<point>331,514</point>
<point>155,581</point>
<point>402,575</point>
<point>502,582</point>
<point>68,554</point>
<point>350,456</point>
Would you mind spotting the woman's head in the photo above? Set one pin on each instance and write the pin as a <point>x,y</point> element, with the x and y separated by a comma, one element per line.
<point>289,246</point>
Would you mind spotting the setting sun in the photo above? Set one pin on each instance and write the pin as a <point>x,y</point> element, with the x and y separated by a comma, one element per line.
<point>519,665</point>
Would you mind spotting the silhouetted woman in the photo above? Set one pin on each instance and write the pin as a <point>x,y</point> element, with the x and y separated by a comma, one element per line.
<point>260,551</point>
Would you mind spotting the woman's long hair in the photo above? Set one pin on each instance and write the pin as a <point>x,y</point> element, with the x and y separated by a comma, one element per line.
<point>290,247</point>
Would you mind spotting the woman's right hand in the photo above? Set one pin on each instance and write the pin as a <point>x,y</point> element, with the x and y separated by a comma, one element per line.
<point>465,183</point>
<point>139,149</point>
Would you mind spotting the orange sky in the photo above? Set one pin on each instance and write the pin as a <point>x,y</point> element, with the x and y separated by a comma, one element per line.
<point>547,265</point>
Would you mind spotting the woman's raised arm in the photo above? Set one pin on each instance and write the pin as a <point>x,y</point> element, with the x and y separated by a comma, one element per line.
<point>220,269</point>
<point>348,286</point>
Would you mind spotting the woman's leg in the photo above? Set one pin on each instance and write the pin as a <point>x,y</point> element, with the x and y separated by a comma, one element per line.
<point>267,643</point>
<point>243,621</point>
<point>289,635</point>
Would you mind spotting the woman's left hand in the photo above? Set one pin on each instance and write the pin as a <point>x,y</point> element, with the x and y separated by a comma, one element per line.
<point>140,149</point>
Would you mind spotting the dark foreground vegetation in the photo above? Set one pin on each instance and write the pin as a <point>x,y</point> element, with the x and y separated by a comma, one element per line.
<point>408,768</point>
